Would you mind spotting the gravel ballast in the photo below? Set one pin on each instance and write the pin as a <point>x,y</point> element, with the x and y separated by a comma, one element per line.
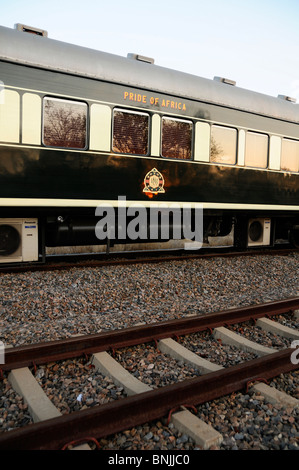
<point>44,306</point>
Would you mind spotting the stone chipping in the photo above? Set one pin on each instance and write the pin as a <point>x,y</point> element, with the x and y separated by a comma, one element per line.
<point>45,306</point>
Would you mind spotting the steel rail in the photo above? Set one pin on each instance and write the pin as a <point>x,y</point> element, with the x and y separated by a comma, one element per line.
<point>122,414</point>
<point>133,258</point>
<point>41,353</point>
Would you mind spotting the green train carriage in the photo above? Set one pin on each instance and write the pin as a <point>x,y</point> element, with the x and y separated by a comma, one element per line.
<point>81,128</point>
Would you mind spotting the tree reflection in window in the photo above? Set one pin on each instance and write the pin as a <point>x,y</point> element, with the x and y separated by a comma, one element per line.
<point>64,123</point>
<point>176,138</point>
<point>223,145</point>
<point>130,132</point>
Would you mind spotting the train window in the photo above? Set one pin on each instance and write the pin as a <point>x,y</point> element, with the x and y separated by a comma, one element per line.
<point>223,145</point>
<point>256,150</point>
<point>64,123</point>
<point>289,155</point>
<point>9,115</point>
<point>176,138</point>
<point>130,132</point>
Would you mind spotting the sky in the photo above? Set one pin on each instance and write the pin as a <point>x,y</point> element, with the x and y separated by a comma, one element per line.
<point>254,43</point>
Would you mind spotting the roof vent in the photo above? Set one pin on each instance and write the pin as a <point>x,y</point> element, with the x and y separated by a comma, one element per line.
<point>287,98</point>
<point>31,30</point>
<point>141,58</point>
<point>225,80</point>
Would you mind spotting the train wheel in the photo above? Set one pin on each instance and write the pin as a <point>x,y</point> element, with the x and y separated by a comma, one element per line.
<point>294,238</point>
<point>240,232</point>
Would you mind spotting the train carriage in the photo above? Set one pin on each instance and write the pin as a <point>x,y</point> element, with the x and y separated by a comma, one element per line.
<point>81,129</point>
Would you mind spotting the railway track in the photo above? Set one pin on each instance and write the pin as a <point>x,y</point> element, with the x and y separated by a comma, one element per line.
<point>70,261</point>
<point>144,404</point>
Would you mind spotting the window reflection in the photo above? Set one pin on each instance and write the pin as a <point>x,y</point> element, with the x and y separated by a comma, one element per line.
<point>64,123</point>
<point>176,138</point>
<point>130,132</point>
<point>290,155</point>
<point>256,150</point>
<point>223,145</point>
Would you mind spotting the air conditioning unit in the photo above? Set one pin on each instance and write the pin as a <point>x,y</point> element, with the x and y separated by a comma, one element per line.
<point>259,231</point>
<point>18,240</point>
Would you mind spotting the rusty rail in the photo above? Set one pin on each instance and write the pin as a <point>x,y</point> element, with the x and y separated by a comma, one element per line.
<point>41,353</point>
<point>123,414</point>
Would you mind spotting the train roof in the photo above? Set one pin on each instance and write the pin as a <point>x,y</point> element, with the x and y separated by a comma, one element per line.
<point>42,52</point>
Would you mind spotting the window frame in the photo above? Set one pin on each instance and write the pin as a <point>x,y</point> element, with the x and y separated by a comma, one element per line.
<point>296,142</point>
<point>129,111</point>
<point>187,121</point>
<point>264,134</point>
<point>70,100</point>
<point>230,128</point>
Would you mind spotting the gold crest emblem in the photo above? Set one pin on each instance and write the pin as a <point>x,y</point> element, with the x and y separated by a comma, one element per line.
<point>154,182</point>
